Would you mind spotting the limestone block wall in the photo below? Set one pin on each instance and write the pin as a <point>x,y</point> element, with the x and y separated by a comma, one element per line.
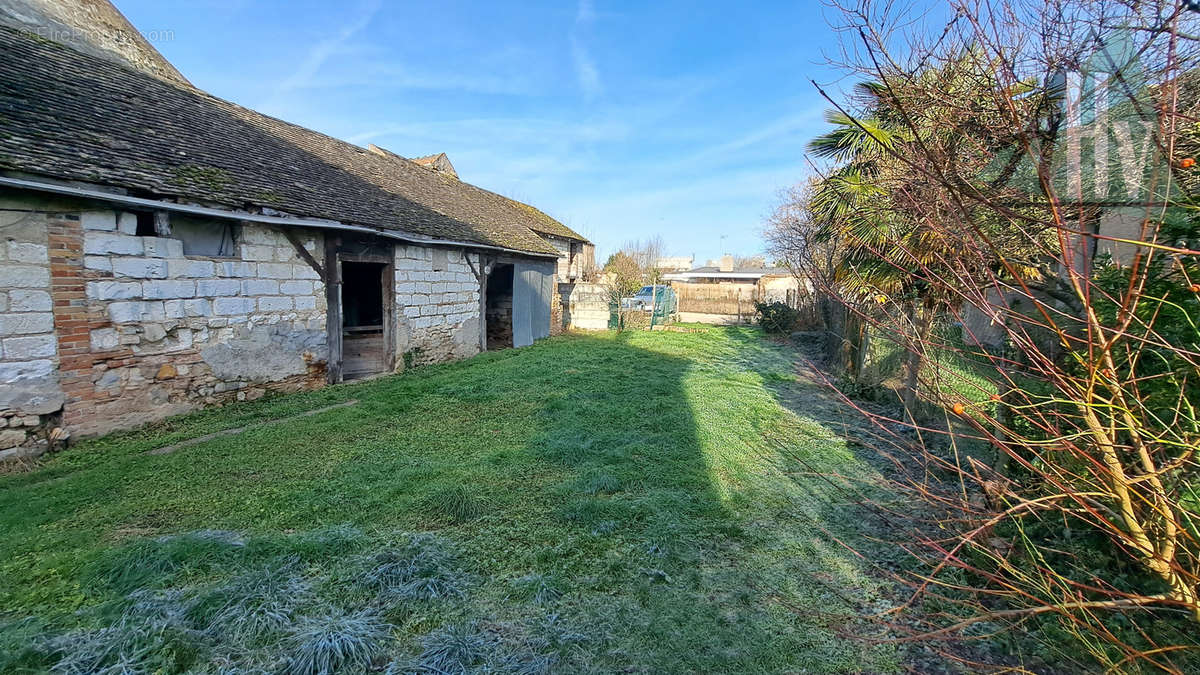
<point>168,332</point>
<point>30,396</point>
<point>568,269</point>
<point>563,246</point>
<point>587,307</point>
<point>499,320</point>
<point>102,329</point>
<point>437,305</point>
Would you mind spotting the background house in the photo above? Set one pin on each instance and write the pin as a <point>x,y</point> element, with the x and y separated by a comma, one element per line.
<point>675,263</point>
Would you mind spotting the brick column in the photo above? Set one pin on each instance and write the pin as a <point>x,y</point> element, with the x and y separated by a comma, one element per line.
<point>71,321</point>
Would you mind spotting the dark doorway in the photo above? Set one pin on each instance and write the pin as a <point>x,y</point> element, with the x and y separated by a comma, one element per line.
<point>499,307</point>
<point>364,349</point>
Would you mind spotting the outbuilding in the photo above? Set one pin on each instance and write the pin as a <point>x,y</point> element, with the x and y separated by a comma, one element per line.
<point>162,249</point>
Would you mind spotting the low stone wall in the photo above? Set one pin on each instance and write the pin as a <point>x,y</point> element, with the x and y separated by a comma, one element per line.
<point>587,307</point>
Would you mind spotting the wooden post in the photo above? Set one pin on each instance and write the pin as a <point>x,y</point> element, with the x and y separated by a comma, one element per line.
<point>481,275</point>
<point>333,302</point>
<point>387,279</point>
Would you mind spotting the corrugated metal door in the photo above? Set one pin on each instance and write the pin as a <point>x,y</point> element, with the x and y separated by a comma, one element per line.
<point>532,289</point>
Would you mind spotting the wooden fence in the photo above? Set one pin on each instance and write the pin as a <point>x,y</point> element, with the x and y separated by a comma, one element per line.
<point>724,299</point>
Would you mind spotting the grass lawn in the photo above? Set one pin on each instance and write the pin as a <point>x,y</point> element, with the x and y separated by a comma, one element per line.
<point>635,502</point>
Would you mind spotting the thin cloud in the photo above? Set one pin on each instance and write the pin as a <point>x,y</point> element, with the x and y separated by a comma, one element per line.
<point>784,127</point>
<point>585,13</point>
<point>586,72</point>
<point>378,77</point>
<point>316,58</point>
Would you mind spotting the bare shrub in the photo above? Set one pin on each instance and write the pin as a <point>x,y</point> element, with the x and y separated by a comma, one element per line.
<point>966,187</point>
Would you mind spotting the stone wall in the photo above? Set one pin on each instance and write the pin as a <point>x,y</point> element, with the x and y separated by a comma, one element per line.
<point>30,395</point>
<point>437,305</point>
<point>587,307</point>
<point>569,269</point>
<point>168,332</point>
<point>101,329</point>
<point>558,306</point>
<point>499,319</point>
<point>563,246</point>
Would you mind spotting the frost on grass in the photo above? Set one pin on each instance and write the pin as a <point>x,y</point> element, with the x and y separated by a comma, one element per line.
<point>539,588</point>
<point>421,569</point>
<point>149,561</point>
<point>456,648</point>
<point>523,648</point>
<point>123,647</point>
<point>335,641</point>
<point>455,504</point>
<point>20,644</point>
<point>327,541</point>
<point>255,603</point>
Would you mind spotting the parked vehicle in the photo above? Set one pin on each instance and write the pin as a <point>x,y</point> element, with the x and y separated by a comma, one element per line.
<point>644,298</point>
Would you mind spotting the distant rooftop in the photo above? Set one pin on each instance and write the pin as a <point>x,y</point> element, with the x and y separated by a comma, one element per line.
<point>734,273</point>
<point>439,163</point>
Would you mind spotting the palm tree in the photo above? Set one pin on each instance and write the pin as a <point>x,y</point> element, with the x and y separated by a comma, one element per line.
<point>851,203</point>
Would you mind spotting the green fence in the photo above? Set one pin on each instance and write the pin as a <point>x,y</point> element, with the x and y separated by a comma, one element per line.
<point>666,304</point>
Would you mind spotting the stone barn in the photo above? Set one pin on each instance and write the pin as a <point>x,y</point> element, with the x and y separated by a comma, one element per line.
<point>162,249</point>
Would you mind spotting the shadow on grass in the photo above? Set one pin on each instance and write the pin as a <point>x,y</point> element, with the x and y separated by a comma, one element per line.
<point>641,487</point>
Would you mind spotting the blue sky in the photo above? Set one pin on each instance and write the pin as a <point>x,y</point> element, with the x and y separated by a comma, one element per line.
<point>622,120</point>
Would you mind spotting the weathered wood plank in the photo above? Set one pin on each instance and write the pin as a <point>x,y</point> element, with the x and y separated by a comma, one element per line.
<point>333,301</point>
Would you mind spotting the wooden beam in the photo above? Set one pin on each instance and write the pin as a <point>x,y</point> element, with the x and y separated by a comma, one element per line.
<point>333,303</point>
<point>482,275</point>
<point>303,253</point>
<point>388,280</point>
<point>467,257</point>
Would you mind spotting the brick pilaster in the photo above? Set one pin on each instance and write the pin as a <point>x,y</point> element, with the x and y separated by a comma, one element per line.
<point>71,320</point>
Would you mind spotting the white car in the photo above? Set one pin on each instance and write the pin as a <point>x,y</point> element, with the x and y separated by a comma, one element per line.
<point>644,298</point>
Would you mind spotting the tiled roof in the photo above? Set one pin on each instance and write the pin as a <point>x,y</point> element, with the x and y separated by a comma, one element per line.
<point>542,223</point>
<point>68,115</point>
<point>534,219</point>
<point>545,224</point>
<point>94,27</point>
